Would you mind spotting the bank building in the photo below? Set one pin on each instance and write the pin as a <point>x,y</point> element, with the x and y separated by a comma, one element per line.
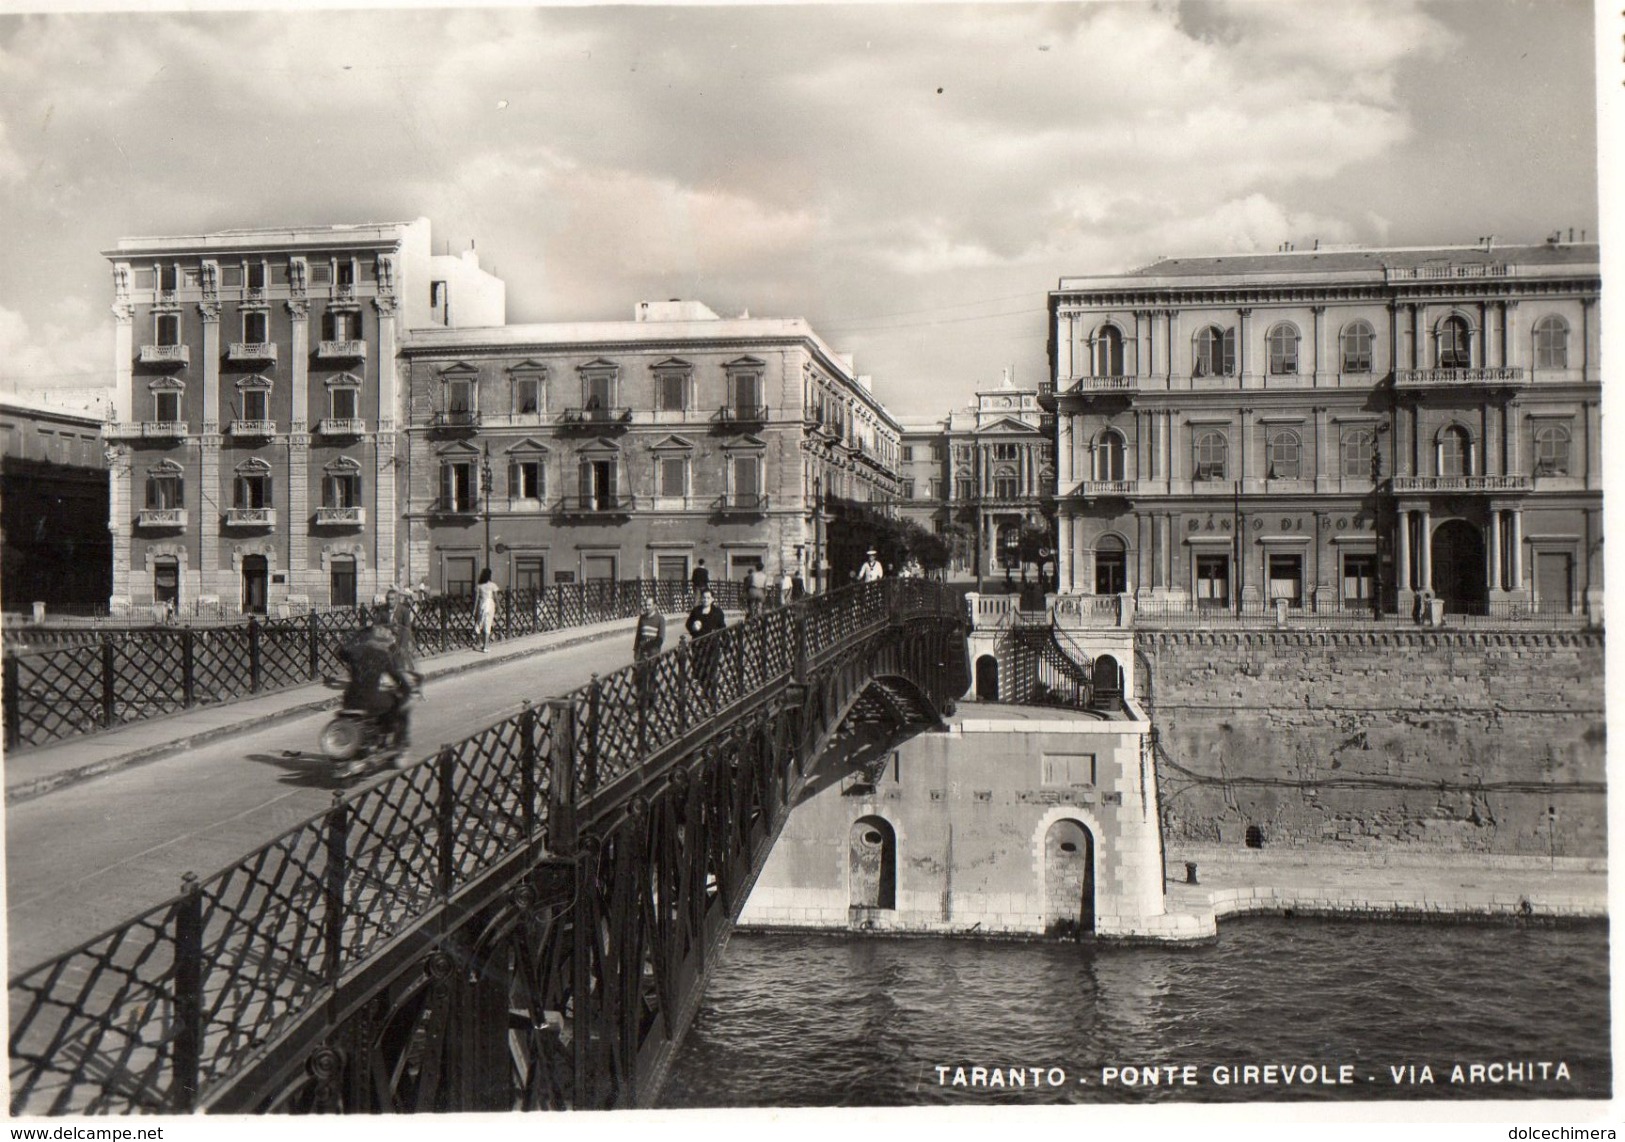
<point>1334,429</point>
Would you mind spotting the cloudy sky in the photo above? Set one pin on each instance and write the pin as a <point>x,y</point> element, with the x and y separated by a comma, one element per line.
<point>910,178</point>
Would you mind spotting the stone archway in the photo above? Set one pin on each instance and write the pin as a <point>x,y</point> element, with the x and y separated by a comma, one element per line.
<point>987,678</point>
<point>1069,879</point>
<point>1458,567</point>
<point>872,860</point>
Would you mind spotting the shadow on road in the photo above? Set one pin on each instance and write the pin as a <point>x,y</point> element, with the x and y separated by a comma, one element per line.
<point>306,770</point>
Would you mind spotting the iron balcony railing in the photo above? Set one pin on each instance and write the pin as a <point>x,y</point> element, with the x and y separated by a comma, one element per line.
<point>463,505</point>
<point>1450,378</point>
<point>596,505</point>
<point>251,351</point>
<point>456,418</point>
<point>350,350</point>
<point>159,1012</point>
<point>741,414</point>
<point>168,356</point>
<point>341,517</point>
<point>588,417</point>
<point>742,503</point>
<point>341,426</point>
<point>161,517</point>
<point>1463,484</point>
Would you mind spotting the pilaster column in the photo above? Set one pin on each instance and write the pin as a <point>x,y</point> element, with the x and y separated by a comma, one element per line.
<point>1142,542</point>
<point>1483,334</point>
<point>1063,347</point>
<point>1154,425</point>
<point>1173,336</point>
<point>1425,541</point>
<point>1142,445</point>
<point>1144,343</point>
<point>120,490</point>
<point>1494,545</point>
<point>1418,356</point>
<point>1318,343</point>
<point>1167,551</point>
<point>1590,340</point>
<point>1514,337</point>
<point>1243,452</point>
<point>1243,333</point>
<point>1321,461</point>
<point>1591,426</point>
<point>299,311</point>
<point>1065,563</point>
<point>1174,469</point>
<point>1514,429</point>
<point>1516,552</point>
<point>1489,424</point>
<point>1403,564</point>
<point>211,496</point>
<point>123,361</point>
<point>1065,462</point>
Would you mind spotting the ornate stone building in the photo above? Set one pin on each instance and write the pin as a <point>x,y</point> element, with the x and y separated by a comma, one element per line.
<point>568,452</point>
<point>1338,428</point>
<point>255,413</point>
<point>987,470</point>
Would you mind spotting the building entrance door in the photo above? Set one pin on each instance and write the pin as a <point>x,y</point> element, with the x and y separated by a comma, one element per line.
<point>166,582</point>
<point>1458,567</point>
<point>1111,567</point>
<point>256,573</point>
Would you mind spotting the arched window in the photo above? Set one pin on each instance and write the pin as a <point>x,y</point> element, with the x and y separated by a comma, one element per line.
<point>1109,353</point>
<point>1283,350</point>
<point>1284,454</point>
<point>1551,343</point>
<point>1552,450</point>
<point>1215,354</point>
<point>1359,446</point>
<point>1109,454</point>
<point>1006,484</point>
<point>1455,344</point>
<point>1455,452</point>
<point>1356,340</point>
<point>1211,451</point>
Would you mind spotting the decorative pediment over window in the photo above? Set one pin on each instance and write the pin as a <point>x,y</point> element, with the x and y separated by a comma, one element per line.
<point>342,466</point>
<point>528,368</point>
<point>458,450</point>
<point>598,365</point>
<point>1008,424</point>
<point>672,365</point>
<point>256,382</point>
<point>168,383</point>
<point>459,371</point>
<point>673,443</point>
<point>746,443</point>
<point>166,467</point>
<point>602,449</point>
<point>740,364</point>
<point>254,466</point>
<point>529,446</point>
<point>344,381</point>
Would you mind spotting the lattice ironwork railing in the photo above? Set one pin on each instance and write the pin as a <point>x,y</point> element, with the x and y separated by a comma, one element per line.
<point>113,677</point>
<point>147,1016</point>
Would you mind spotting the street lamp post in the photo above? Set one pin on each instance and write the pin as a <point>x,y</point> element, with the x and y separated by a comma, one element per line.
<point>485,501</point>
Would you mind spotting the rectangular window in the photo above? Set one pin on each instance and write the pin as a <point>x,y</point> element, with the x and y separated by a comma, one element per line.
<point>256,404</point>
<point>1359,577</point>
<point>598,485</point>
<point>908,489</point>
<point>962,489</point>
<point>936,489</point>
<point>525,480</point>
<point>672,568</point>
<point>346,272</point>
<point>1069,768</point>
<point>167,331</point>
<point>457,486</point>
<point>256,327</point>
<point>937,452</point>
<point>600,391</point>
<point>253,491</point>
<point>671,392</point>
<point>1005,451</point>
<point>166,407</point>
<point>256,275</point>
<point>747,476</point>
<point>908,453</point>
<point>529,573</point>
<point>164,491</point>
<point>459,576</point>
<point>169,278</point>
<point>341,582</point>
<point>341,490</point>
<point>1286,579</point>
<point>1212,580</point>
<point>673,475</point>
<point>747,394</point>
<point>344,403</point>
<point>459,397</point>
<point>527,395</point>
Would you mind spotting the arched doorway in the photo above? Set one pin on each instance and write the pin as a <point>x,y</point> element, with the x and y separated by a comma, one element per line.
<point>872,859</point>
<point>1111,566</point>
<point>1069,880</point>
<point>256,572</point>
<point>1107,682</point>
<point>987,678</point>
<point>1458,567</point>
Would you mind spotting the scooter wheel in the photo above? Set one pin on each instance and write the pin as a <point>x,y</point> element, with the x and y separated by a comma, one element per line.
<point>341,739</point>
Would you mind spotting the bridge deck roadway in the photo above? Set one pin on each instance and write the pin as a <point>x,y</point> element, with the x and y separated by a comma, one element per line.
<point>111,823</point>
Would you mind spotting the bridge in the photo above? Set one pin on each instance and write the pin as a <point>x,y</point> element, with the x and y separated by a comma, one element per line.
<point>524,920</point>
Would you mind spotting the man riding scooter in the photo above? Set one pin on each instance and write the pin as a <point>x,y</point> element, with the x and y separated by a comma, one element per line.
<point>371,657</point>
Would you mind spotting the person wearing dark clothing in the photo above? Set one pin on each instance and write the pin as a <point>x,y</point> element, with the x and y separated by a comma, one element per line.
<point>704,619</point>
<point>798,586</point>
<point>650,637</point>
<point>371,658</point>
<point>700,580</point>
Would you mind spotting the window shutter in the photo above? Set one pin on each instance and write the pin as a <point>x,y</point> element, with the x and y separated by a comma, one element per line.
<point>447,486</point>
<point>1229,352</point>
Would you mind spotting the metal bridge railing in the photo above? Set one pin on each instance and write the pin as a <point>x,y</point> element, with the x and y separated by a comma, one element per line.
<point>149,1014</point>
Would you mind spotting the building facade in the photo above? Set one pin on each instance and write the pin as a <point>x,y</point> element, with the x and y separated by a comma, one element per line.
<point>253,434</point>
<point>1336,428</point>
<point>569,452</point>
<point>984,475</point>
<point>54,544</point>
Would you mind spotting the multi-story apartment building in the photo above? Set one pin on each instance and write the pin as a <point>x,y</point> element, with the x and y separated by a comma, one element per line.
<point>255,413</point>
<point>54,546</point>
<point>568,452</point>
<point>987,473</point>
<point>1335,427</point>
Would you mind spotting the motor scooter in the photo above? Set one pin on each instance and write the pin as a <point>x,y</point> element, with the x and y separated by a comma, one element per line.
<point>356,744</point>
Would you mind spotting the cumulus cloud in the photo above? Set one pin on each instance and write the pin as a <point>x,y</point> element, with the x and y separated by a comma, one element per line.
<point>71,349</point>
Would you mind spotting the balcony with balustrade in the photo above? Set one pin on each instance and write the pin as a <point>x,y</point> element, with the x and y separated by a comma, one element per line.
<point>1101,489</point>
<point>252,429</point>
<point>737,504</point>
<point>462,506</point>
<point>588,419</point>
<point>252,352</point>
<point>341,517</point>
<point>145,430</point>
<point>166,518</point>
<point>341,350</point>
<point>1424,379</point>
<point>455,420</point>
<point>740,416</point>
<point>250,517</point>
<point>166,356</point>
<point>1458,484</point>
<point>341,426</point>
<point>1095,386</point>
<point>601,506</point>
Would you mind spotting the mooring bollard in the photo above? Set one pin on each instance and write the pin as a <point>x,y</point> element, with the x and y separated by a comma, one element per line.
<point>1190,872</point>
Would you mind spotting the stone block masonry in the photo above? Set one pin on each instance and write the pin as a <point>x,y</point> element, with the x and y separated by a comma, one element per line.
<point>1480,742</point>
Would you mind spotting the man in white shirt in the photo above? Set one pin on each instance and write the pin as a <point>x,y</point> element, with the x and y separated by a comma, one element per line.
<point>871,571</point>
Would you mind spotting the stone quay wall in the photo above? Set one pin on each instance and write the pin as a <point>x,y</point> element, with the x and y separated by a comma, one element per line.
<point>1478,742</point>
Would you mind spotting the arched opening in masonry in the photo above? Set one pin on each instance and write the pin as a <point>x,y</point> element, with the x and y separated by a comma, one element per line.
<point>1069,880</point>
<point>872,861</point>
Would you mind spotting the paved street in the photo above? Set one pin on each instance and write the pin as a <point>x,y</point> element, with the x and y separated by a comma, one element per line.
<point>95,852</point>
